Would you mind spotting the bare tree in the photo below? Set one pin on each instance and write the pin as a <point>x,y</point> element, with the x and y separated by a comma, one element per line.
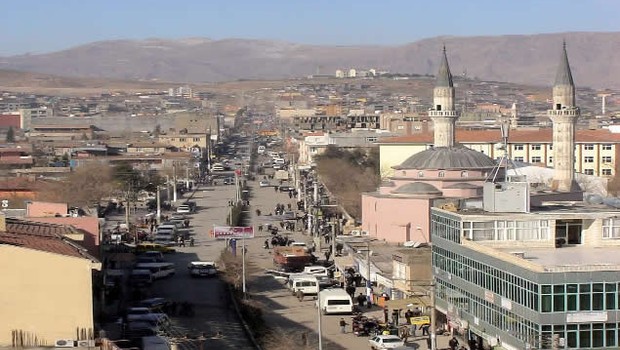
<point>85,186</point>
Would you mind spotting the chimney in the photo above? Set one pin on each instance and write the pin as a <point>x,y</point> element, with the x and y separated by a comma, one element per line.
<point>563,114</point>
<point>443,113</point>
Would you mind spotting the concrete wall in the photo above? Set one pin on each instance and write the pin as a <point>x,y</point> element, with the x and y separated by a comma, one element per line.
<point>44,295</point>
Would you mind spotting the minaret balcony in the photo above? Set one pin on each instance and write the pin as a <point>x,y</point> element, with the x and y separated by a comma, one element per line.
<point>570,112</point>
<point>450,114</point>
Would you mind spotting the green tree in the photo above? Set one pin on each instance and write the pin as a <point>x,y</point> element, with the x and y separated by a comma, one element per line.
<point>10,135</point>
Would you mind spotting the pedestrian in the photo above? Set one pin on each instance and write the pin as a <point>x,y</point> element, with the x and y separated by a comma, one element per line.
<point>343,325</point>
<point>404,333</point>
<point>361,299</point>
<point>266,245</point>
<point>429,342</point>
<point>425,329</point>
<point>300,295</point>
<point>453,343</point>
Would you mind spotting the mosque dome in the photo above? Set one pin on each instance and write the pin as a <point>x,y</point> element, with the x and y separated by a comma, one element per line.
<point>447,158</point>
<point>418,188</point>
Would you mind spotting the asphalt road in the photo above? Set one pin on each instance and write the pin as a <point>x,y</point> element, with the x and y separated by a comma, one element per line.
<point>209,296</point>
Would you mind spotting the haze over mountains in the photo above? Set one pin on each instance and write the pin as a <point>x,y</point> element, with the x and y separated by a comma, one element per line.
<point>528,59</point>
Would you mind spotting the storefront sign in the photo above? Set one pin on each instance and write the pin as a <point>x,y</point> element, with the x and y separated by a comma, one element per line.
<point>420,320</point>
<point>222,232</point>
<point>586,317</point>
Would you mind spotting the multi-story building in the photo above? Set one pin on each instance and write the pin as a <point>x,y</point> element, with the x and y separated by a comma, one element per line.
<point>523,279</point>
<point>596,151</point>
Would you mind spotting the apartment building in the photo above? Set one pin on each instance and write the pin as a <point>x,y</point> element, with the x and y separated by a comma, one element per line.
<point>596,151</point>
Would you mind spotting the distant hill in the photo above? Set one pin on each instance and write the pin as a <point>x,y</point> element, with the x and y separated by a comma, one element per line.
<point>527,59</point>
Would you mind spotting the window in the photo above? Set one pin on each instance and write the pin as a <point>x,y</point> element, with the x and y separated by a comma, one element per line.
<point>196,139</point>
<point>551,147</point>
<point>536,159</point>
<point>464,173</point>
<point>518,159</point>
<point>606,172</point>
<point>606,147</point>
<point>588,159</point>
<point>588,147</point>
<point>588,171</point>
<point>611,228</point>
<point>182,139</point>
<point>420,174</point>
<point>441,173</point>
<point>606,159</point>
<point>536,147</point>
<point>518,147</point>
<point>551,159</point>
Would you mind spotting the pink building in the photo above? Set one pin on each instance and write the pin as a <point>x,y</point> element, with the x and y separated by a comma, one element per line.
<point>399,211</point>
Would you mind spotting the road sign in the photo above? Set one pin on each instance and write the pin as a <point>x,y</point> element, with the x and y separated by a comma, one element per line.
<point>222,232</point>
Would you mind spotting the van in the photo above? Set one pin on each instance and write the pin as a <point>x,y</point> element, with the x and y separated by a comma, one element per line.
<point>166,240</point>
<point>334,301</point>
<point>167,227</point>
<point>158,270</point>
<point>307,284</point>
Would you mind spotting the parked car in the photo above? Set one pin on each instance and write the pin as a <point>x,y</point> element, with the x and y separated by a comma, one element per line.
<point>264,183</point>
<point>380,342</point>
<point>229,181</point>
<point>202,269</point>
<point>146,247</point>
<point>154,304</point>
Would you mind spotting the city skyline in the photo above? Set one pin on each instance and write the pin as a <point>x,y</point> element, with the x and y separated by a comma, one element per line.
<point>38,27</point>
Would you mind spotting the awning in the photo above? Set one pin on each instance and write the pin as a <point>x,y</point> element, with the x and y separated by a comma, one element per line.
<point>343,262</point>
<point>422,302</point>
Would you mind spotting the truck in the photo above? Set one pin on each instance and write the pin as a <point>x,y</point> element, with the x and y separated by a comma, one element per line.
<point>291,259</point>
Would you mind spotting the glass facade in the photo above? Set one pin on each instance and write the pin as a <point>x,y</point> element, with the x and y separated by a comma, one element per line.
<point>497,297</point>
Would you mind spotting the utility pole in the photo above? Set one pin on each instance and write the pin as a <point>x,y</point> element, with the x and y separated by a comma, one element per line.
<point>158,204</point>
<point>333,225</point>
<point>168,188</point>
<point>320,330</point>
<point>433,325</point>
<point>368,283</point>
<point>174,181</point>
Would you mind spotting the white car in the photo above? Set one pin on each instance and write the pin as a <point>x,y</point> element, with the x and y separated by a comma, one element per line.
<point>202,269</point>
<point>184,209</point>
<point>264,183</point>
<point>380,342</point>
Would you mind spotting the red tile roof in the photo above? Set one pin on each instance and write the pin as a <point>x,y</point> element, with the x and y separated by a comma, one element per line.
<point>44,237</point>
<point>515,136</point>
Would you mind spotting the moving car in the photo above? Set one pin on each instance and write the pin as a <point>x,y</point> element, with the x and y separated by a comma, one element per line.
<point>202,269</point>
<point>264,183</point>
<point>335,301</point>
<point>380,342</point>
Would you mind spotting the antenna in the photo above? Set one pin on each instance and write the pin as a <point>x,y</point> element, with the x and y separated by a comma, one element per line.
<point>504,162</point>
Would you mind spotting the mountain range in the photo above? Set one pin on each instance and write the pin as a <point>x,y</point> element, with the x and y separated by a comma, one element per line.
<point>526,59</point>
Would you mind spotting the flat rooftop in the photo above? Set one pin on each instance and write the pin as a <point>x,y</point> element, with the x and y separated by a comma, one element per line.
<point>571,258</point>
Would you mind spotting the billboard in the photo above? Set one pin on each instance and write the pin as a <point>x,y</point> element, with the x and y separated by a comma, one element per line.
<point>221,232</point>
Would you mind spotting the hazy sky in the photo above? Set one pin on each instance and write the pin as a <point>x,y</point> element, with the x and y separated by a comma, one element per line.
<point>49,25</point>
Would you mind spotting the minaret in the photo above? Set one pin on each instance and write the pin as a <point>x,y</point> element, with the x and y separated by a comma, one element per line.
<point>564,114</point>
<point>514,118</point>
<point>443,113</point>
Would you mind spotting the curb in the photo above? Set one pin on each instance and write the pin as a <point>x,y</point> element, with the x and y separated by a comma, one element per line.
<point>246,327</point>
